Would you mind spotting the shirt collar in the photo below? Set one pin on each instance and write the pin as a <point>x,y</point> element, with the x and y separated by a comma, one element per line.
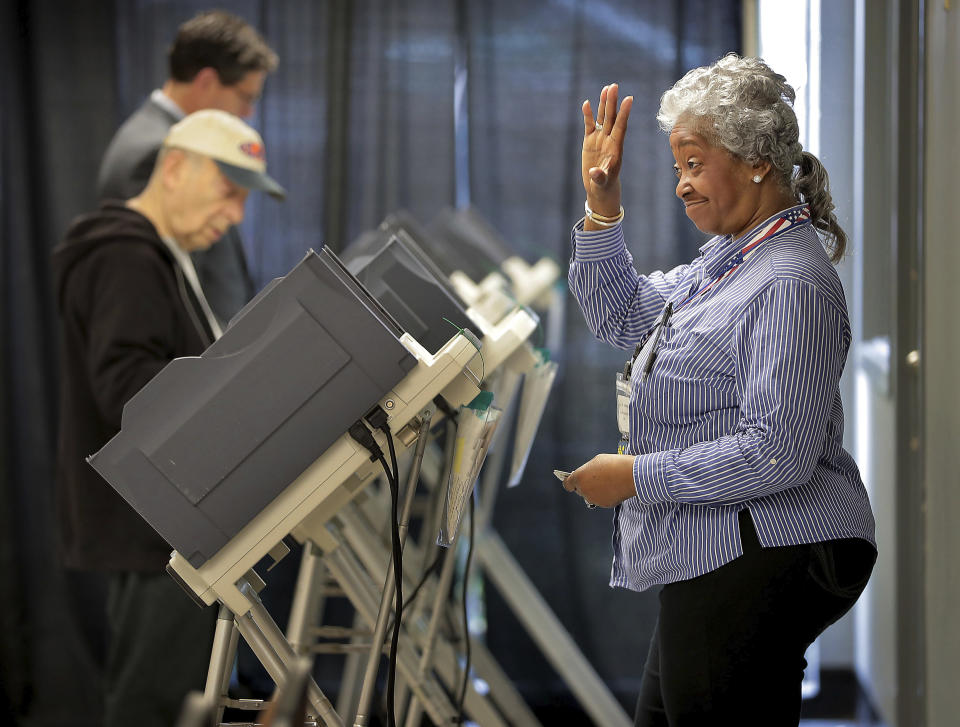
<point>190,273</point>
<point>167,104</point>
<point>724,251</point>
<point>179,254</point>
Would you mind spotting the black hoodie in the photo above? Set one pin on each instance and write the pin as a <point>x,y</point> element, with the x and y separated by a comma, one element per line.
<point>126,311</point>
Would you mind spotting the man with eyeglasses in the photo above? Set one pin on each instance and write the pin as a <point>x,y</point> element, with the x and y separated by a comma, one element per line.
<point>217,61</point>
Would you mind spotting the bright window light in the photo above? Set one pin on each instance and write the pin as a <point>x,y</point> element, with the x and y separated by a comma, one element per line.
<point>790,43</point>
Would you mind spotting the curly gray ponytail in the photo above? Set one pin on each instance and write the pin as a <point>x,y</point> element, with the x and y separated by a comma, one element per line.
<point>811,185</point>
<point>742,105</point>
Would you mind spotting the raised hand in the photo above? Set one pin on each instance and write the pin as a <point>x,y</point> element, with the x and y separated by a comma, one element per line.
<point>603,150</point>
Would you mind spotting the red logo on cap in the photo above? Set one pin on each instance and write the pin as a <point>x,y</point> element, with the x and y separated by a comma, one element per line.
<point>255,150</point>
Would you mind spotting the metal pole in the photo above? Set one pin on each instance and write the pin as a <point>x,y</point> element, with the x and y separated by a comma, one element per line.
<point>502,691</point>
<point>440,597</point>
<point>303,610</point>
<point>443,587</point>
<point>231,656</point>
<point>348,695</point>
<point>386,599</point>
<point>266,629</point>
<point>554,641</point>
<point>219,661</point>
<point>356,580</point>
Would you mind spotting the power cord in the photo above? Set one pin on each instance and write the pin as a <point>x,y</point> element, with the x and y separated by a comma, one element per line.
<point>363,436</point>
<point>445,408</point>
<point>466,624</point>
<point>398,580</point>
<point>426,574</point>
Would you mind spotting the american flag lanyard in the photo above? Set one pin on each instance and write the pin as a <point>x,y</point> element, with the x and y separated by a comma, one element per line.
<point>777,225</point>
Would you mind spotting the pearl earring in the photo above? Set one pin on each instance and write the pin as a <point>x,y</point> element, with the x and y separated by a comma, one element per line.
<point>757,178</point>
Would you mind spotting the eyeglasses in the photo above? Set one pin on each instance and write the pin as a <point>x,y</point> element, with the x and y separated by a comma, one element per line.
<point>250,99</point>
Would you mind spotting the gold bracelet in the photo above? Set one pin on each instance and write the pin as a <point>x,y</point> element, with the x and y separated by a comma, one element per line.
<point>602,220</point>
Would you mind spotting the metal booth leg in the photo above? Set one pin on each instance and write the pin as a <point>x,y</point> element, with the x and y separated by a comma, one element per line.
<point>275,653</point>
<point>307,600</point>
<point>221,661</point>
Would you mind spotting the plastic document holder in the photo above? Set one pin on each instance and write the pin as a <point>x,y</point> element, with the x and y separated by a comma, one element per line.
<point>413,291</point>
<point>210,441</point>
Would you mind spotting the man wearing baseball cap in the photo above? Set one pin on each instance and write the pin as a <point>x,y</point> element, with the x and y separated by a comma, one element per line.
<point>216,61</point>
<point>130,302</point>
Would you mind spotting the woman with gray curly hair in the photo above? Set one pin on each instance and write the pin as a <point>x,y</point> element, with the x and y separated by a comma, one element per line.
<point>731,485</point>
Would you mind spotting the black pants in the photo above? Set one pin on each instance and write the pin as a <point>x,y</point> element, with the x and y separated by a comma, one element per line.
<point>728,646</point>
<point>159,649</point>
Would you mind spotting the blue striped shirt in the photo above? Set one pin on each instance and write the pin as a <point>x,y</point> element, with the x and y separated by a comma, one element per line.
<point>741,408</point>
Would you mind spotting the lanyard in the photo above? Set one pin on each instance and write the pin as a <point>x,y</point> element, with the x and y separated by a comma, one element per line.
<point>648,345</point>
<point>781,223</point>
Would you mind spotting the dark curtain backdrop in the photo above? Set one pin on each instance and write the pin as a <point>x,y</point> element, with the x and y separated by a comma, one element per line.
<point>358,122</point>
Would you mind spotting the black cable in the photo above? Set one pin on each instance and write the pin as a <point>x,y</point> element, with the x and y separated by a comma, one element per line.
<point>398,575</point>
<point>395,542</point>
<point>466,624</point>
<point>385,428</point>
<point>394,480</point>
<point>359,432</point>
<point>445,408</point>
<point>426,574</point>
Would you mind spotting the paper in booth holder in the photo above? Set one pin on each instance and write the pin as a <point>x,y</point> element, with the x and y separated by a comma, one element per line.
<point>533,400</point>
<point>476,424</point>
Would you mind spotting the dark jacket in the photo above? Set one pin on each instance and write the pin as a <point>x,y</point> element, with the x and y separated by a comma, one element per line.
<point>125,171</point>
<point>128,161</point>
<point>126,311</point>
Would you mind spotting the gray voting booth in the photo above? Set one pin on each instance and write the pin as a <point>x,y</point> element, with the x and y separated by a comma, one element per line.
<point>297,366</point>
<point>479,248</point>
<point>227,453</point>
<point>407,283</point>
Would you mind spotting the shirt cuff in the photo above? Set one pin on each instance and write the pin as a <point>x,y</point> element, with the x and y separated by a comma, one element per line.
<point>594,245</point>
<point>650,477</point>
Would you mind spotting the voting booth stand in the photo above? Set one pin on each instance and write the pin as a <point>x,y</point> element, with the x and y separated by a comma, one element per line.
<point>281,430</point>
<point>491,278</point>
<point>497,291</point>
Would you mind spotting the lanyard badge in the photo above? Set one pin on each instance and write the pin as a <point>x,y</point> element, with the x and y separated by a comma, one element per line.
<point>643,356</point>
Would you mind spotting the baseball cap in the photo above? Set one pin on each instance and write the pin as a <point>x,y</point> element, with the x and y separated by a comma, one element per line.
<point>236,148</point>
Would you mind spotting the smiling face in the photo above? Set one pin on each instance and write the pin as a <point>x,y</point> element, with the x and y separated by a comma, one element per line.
<point>201,203</point>
<point>716,187</point>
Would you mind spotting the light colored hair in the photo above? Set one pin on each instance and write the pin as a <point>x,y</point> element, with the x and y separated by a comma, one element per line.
<point>743,106</point>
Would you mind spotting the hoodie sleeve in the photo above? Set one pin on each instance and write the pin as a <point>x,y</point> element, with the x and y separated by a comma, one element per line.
<point>131,329</point>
